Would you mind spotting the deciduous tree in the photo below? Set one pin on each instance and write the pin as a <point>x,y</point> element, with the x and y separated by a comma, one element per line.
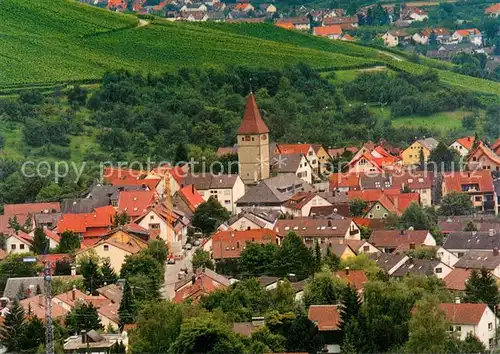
<point>455,203</point>
<point>201,258</point>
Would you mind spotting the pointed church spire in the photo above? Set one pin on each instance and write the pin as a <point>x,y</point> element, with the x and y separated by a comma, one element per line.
<point>252,122</point>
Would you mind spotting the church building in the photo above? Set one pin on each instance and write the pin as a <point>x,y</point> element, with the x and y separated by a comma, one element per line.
<point>253,145</point>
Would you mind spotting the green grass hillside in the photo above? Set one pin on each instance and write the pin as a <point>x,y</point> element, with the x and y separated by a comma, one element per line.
<point>49,41</point>
<point>59,40</point>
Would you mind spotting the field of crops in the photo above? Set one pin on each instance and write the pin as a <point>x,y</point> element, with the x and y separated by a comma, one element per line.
<point>53,41</point>
<point>48,41</point>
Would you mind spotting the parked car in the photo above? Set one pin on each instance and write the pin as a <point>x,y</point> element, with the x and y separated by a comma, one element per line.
<point>188,246</point>
<point>171,260</point>
<point>196,243</point>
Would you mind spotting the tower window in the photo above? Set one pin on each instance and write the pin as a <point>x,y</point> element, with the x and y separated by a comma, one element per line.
<point>247,137</point>
<point>242,139</point>
<point>253,138</point>
<point>264,137</point>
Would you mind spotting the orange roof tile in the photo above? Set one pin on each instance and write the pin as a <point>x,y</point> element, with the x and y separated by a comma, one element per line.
<point>135,203</point>
<point>326,317</point>
<point>112,173</point>
<point>294,148</point>
<point>468,32</point>
<point>285,25</point>
<point>482,149</point>
<point>30,208</point>
<point>252,122</point>
<point>454,182</point>
<point>356,278</point>
<point>191,196</point>
<point>457,278</point>
<point>397,238</point>
<point>150,183</point>
<point>463,313</point>
<point>344,180</point>
<point>326,31</point>
<point>493,9</point>
<point>467,142</point>
<point>229,244</point>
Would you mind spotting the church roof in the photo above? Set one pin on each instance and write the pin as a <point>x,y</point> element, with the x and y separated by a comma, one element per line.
<point>252,122</point>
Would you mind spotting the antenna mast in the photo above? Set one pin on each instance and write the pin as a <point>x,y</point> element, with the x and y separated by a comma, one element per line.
<point>49,330</point>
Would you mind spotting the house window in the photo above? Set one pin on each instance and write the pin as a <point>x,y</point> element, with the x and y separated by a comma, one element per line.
<point>227,202</point>
<point>154,226</point>
<point>458,328</point>
<point>370,216</point>
<point>253,139</point>
<point>114,203</point>
<point>13,247</point>
<point>490,342</point>
<point>460,254</point>
<point>21,246</point>
<point>106,247</point>
<point>377,207</point>
<point>439,270</point>
<point>385,215</point>
<point>227,192</point>
<point>242,139</point>
<point>366,248</point>
<point>478,198</point>
<point>151,217</point>
<point>490,326</point>
<point>238,244</point>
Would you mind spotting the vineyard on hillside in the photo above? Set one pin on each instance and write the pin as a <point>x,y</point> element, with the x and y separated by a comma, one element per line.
<point>46,42</point>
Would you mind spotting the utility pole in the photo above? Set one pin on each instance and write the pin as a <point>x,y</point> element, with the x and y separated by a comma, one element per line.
<point>47,285</point>
<point>49,330</point>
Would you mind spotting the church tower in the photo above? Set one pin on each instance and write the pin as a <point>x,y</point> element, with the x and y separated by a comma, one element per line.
<point>253,144</point>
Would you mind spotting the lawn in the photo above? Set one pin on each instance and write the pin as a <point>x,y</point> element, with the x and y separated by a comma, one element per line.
<point>443,121</point>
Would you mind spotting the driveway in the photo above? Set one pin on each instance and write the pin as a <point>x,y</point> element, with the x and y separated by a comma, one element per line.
<point>171,270</point>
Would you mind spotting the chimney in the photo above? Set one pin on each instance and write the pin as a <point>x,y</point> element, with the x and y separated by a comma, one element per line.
<point>346,270</point>
<point>84,336</point>
<point>412,245</point>
<point>192,188</point>
<point>329,223</point>
<point>40,300</point>
<point>495,251</point>
<point>457,300</point>
<point>468,138</point>
<point>193,279</point>
<point>402,232</point>
<point>258,321</point>
<point>73,293</point>
<point>292,278</point>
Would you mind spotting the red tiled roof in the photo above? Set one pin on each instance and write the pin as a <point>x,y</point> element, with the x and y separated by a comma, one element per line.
<point>453,182</point>
<point>313,227</point>
<point>112,173</point>
<point>356,278</point>
<point>493,9</point>
<point>73,296</point>
<point>344,180</point>
<point>230,244</point>
<point>191,196</point>
<point>203,285</point>
<point>326,31</point>
<point>341,20</point>
<point>484,150</point>
<point>30,208</point>
<point>52,235</point>
<point>135,203</point>
<point>397,238</point>
<point>252,122</point>
<point>468,32</point>
<point>393,200</point>
<point>285,25</point>
<point>299,200</point>
<point>36,304</point>
<point>463,313</point>
<point>96,223</point>
<point>457,279</point>
<point>347,37</point>
<point>326,317</point>
<point>467,142</point>
<point>241,6</point>
<point>117,4</point>
<point>376,162</point>
<point>294,148</point>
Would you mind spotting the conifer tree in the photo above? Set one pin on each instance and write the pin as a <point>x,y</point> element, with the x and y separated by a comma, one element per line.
<point>317,257</point>
<point>108,273</point>
<point>128,310</point>
<point>40,243</point>
<point>350,306</point>
<point>12,328</point>
<point>482,287</point>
